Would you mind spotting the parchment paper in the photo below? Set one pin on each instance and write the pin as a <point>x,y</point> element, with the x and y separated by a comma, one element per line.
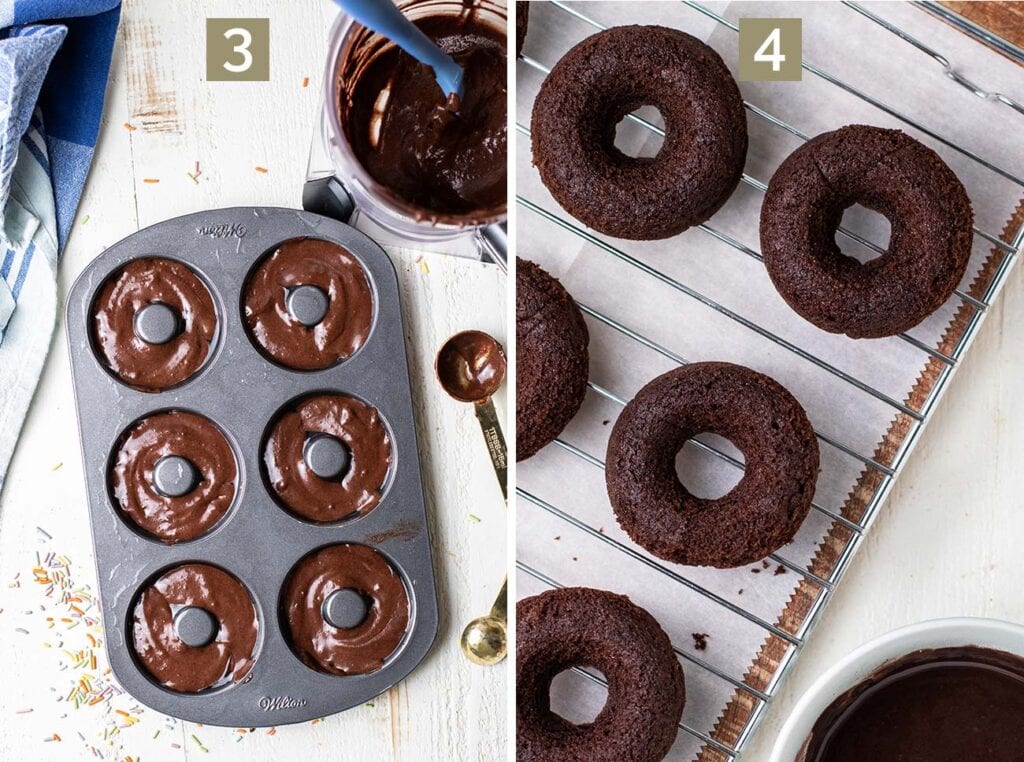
<point>863,54</point>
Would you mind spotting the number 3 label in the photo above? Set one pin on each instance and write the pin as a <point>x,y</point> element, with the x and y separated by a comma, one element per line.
<point>770,50</point>
<point>242,48</point>
<point>237,50</point>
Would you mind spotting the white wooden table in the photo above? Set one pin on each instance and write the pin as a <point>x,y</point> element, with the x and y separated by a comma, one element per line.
<point>448,709</point>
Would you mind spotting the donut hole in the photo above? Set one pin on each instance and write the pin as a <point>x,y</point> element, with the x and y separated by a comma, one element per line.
<point>637,141</point>
<point>704,474</point>
<point>576,698</point>
<point>870,225</point>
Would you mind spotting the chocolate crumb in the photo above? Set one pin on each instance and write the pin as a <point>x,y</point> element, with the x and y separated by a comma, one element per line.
<point>780,569</point>
<point>700,640</point>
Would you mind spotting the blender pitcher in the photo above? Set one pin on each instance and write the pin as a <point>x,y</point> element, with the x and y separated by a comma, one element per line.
<point>338,185</point>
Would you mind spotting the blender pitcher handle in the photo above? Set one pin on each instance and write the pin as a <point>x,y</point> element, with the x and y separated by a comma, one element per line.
<point>327,196</point>
<point>492,240</point>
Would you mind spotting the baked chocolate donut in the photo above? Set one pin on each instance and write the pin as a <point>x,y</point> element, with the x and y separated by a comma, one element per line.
<point>365,641</point>
<point>608,76</point>
<point>893,174</point>
<point>203,495</point>
<point>335,330</point>
<point>582,627</point>
<point>231,650</point>
<point>522,21</point>
<point>152,366</point>
<point>551,360</point>
<point>357,486</point>
<point>760,514</point>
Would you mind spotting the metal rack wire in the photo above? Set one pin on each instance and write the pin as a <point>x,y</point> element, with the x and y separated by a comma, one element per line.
<point>881,468</point>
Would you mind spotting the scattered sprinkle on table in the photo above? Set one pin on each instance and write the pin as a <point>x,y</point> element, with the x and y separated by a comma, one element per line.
<point>262,170</point>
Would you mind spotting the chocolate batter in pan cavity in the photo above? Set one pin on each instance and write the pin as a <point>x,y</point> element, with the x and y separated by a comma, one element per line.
<point>358,489</point>
<point>363,647</point>
<point>282,336</point>
<point>153,366</point>
<point>180,434</point>
<point>941,705</point>
<point>444,156</point>
<point>227,658</point>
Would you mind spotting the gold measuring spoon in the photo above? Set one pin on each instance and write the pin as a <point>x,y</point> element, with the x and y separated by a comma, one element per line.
<point>471,366</point>
<point>485,639</point>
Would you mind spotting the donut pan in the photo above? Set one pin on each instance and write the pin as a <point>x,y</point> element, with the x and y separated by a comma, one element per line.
<point>257,541</point>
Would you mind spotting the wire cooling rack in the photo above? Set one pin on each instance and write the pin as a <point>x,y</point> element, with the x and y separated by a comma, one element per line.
<point>725,705</point>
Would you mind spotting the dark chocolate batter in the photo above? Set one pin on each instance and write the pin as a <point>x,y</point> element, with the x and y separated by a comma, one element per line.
<point>187,435</point>
<point>471,366</point>
<point>180,667</point>
<point>449,158</point>
<point>309,262</point>
<point>144,366</point>
<point>345,651</point>
<point>355,423</point>
<point>942,705</point>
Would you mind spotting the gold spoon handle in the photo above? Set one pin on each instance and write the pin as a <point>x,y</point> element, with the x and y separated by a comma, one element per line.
<point>495,441</point>
<point>500,608</point>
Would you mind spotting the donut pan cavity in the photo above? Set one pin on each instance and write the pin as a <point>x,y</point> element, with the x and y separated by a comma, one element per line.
<point>257,541</point>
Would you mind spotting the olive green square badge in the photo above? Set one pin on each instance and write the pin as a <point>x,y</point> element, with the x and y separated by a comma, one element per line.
<point>237,50</point>
<point>770,50</point>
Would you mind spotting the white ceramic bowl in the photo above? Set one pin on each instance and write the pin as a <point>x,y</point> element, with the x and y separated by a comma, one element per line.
<point>853,668</point>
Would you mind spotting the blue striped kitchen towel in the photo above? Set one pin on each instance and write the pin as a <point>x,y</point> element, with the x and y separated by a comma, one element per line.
<point>54,61</point>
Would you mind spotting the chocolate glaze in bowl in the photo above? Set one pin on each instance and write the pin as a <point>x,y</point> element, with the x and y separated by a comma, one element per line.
<point>818,709</point>
<point>954,703</point>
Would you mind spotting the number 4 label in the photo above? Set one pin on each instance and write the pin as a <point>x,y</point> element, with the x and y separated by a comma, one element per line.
<point>770,50</point>
<point>237,50</point>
